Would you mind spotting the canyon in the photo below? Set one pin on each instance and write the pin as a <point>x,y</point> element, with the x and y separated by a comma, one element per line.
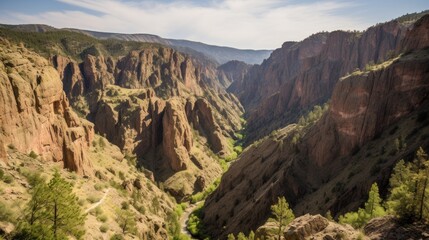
<point>154,123</point>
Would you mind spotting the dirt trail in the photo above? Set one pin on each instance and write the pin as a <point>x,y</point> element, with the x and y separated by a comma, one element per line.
<point>185,217</point>
<point>99,202</point>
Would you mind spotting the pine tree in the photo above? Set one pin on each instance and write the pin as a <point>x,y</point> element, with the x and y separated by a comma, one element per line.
<point>53,212</point>
<point>231,236</point>
<point>373,207</point>
<point>126,221</point>
<point>251,235</point>
<point>421,177</point>
<point>241,236</point>
<point>408,198</point>
<point>283,215</point>
<point>329,216</point>
<point>399,175</point>
<point>63,209</point>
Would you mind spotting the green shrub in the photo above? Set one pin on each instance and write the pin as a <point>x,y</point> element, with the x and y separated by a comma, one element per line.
<point>93,199</point>
<point>99,186</point>
<point>102,218</point>
<point>104,228</point>
<point>125,205</point>
<point>33,155</point>
<point>7,179</point>
<point>5,213</point>
<point>101,142</point>
<point>117,236</point>
<point>121,175</point>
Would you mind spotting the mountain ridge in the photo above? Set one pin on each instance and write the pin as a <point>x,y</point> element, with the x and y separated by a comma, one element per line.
<point>220,54</point>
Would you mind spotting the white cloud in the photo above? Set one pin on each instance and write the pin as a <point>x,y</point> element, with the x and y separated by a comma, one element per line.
<point>254,24</point>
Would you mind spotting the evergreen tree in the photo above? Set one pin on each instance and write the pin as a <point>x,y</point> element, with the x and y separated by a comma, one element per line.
<point>63,209</point>
<point>53,212</point>
<point>408,198</point>
<point>329,216</point>
<point>231,236</point>
<point>283,215</point>
<point>421,178</point>
<point>241,236</point>
<point>251,235</point>
<point>126,220</point>
<point>373,207</point>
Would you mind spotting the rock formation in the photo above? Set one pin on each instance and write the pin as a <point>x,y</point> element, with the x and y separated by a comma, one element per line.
<point>151,103</point>
<point>35,114</point>
<point>390,228</point>
<point>310,227</point>
<point>334,162</point>
<point>302,74</point>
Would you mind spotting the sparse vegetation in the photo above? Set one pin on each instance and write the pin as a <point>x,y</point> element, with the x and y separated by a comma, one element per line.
<point>126,221</point>
<point>409,182</point>
<point>195,225</point>
<point>373,208</point>
<point>202,195</point>
<point>283,215</point>
<point>52,213</point>
<point>33,155</point>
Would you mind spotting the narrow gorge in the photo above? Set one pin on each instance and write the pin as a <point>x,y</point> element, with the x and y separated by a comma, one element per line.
<point>156,138</point>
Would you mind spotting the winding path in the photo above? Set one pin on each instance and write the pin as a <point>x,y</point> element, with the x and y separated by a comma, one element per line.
<point>185,217</point>
<point>99,202</point>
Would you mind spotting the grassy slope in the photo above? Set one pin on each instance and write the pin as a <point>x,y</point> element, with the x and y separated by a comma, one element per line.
<point>111,169</point>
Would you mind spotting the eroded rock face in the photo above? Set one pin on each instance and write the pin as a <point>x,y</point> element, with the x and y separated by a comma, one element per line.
<point>73,83</point>
<point>310,227</point>
<point>301,75</point>
<point>35,113</point>
<point>389,227</point>
<point>177,136</point>
<point>319,172</point>
<point>363,105</point>
<point>152,103</point>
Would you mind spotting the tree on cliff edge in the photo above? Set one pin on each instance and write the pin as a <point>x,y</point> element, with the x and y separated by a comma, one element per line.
<point>283,215</point>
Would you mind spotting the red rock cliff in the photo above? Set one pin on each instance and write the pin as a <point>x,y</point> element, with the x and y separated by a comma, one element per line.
<point>334,164</point>
<point>300,75</point>
<point>35,113</point>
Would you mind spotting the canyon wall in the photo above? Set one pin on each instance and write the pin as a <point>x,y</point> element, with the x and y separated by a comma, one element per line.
<point>35,114</point>
<point>334,162</point>
<point>168,109</point>
<point>302,74</point>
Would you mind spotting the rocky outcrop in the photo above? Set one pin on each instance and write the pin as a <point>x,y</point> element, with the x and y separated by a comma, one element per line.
<point>302,74</point>
<point>73,81</point>
<point>389,227</point>
<point>310,227</point>
<point>97,72</point>
<point>35,113</point>
<point>332,164</point>
<point>150,101</point>
<point>177,136</point>
<point>155,67</point>
<point>234,71</point>
<point>418,37</point>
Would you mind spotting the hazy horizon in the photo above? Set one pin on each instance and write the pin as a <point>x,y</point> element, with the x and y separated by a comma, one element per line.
<point>243,24</point>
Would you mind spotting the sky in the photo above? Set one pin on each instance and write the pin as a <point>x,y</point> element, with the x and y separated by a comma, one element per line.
<point>245,24</point>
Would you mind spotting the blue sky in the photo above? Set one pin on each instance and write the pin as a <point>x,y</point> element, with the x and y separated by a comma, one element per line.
<point>256,24</point>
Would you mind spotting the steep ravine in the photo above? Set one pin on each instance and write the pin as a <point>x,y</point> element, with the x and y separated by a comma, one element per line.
<point>299,75</point>
<point>169,110</point>
<point>333,163</point>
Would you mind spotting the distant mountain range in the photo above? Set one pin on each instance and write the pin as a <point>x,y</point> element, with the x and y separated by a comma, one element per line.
<point>217,53</point>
